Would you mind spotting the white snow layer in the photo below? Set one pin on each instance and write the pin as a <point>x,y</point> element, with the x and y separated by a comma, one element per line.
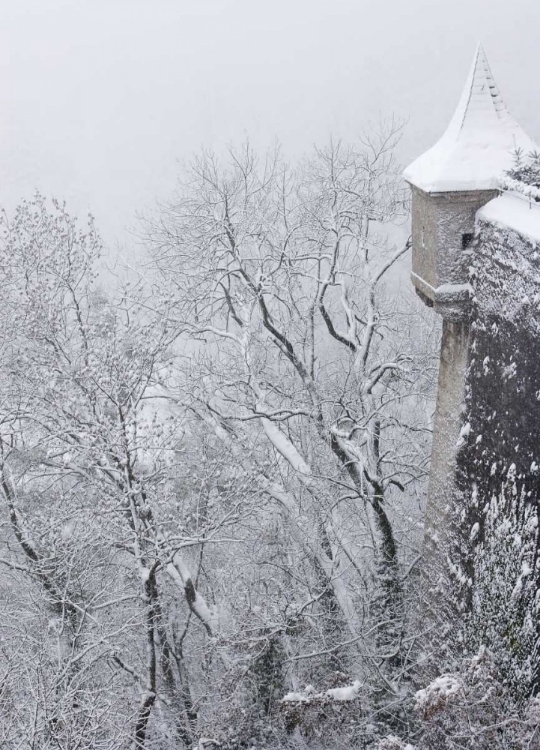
<point>348,693</point>
<point>478,145</point>
<point>438,691</point>
<point>513,211</point>
<point>292,697</point>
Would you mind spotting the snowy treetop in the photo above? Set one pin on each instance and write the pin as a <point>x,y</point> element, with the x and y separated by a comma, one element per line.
<point>477,147</point>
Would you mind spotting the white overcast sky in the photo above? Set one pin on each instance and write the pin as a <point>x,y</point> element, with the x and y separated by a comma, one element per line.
<point>101,99</point>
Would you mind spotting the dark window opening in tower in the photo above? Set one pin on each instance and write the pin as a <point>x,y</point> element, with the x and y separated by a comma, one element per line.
<point>466,240</point>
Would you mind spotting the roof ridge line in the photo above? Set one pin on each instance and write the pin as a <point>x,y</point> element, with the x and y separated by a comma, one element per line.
<point>471,76</point>
<point>495,97</point>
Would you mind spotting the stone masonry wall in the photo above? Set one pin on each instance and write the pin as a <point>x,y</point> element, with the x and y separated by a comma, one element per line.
<point>439,224</point>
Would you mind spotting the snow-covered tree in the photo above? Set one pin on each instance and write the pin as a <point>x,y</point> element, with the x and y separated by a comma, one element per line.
<point>313,369</point>
<point>211,485</point>
<point>88,487</point>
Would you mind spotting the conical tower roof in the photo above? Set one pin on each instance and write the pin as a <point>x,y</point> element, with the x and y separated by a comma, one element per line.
<point>478,144</point>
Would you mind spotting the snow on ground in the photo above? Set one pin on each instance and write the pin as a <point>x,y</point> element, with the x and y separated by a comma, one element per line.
<point>347,693</point>
<point>513,211</point>
<point>437,693</point>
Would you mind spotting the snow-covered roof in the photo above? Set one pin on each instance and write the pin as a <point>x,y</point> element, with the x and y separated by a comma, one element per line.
<point>477,145</point>
<point>513,211</point>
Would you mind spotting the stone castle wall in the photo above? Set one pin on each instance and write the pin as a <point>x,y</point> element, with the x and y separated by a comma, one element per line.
<point>486,461</point>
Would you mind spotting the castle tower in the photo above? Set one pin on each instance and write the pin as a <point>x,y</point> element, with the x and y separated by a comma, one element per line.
<point>451,181</point>
<point>458,176</point>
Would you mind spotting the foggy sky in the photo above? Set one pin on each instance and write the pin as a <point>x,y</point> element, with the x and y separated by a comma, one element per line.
<point>101,99</point>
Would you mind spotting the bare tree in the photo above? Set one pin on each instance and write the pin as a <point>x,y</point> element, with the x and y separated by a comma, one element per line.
<point>211,488</point>
<point>87,458</point>
<point>308,363</point>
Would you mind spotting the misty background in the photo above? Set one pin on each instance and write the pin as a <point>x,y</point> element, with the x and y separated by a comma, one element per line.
<point>102,100</point>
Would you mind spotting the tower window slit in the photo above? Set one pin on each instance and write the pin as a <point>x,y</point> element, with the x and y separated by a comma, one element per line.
<point>466,240</point>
